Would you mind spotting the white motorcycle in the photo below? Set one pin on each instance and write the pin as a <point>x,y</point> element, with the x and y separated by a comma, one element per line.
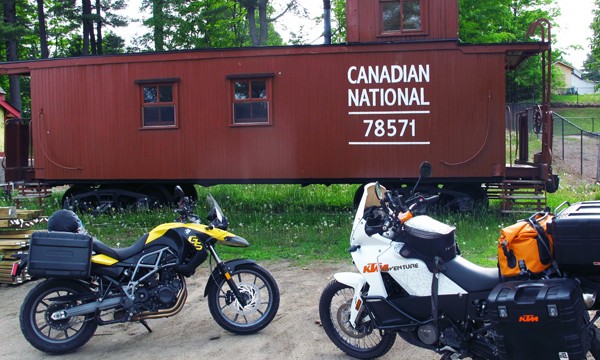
<point>412,282</point>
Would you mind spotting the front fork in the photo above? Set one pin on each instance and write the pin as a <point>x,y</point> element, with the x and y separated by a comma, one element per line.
<point>223,269</point>
<point>356,282</point>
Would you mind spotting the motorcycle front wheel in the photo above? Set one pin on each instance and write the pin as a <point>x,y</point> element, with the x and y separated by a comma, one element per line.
<point>363,341</point>
<point>260,292</point>
<point>49,335</point>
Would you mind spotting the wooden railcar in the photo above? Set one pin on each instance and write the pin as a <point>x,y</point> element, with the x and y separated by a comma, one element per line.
<point>373,108</point>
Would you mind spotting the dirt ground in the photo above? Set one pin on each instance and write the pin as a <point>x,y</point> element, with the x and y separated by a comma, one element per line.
<point>573,158</point>
<point>295,333</point>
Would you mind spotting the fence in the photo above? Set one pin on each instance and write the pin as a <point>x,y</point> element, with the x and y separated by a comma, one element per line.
<point>576,145</point>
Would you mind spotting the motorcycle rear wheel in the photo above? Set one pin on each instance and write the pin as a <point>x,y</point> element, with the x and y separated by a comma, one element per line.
<point>261,293</point>
<point>55,336</point>
<point>364,342</point>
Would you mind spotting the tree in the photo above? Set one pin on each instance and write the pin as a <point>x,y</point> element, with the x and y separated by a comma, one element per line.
<point>592,64</point>
<point>338,9</point>
<point>42,29</point>
<point>259,31</point>
<point>495,21</point>
<point>11,31</point>
<point>181,24</point>
<point>500,21</point>
<point>591,68</point>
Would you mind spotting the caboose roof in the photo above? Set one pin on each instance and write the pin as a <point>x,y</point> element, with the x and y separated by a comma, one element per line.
<point>515,54</point>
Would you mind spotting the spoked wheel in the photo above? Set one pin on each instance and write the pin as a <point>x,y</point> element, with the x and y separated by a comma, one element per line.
<point>260,292</point>
<point>51,335</point>
<point>362,341</point>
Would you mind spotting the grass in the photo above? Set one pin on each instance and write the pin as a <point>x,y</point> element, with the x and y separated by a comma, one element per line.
<point>575,99</point>
<point>587,118</point>
<point>307,224</point>
<point>293,223</point>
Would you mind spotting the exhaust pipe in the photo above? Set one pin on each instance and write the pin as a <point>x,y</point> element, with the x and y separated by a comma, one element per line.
<point>86,309</point>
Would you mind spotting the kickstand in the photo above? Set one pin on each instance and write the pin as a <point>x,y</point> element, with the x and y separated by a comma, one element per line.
<point>143,322</point>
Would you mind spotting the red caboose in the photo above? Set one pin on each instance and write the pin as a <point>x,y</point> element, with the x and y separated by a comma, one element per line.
<point>401,91</point>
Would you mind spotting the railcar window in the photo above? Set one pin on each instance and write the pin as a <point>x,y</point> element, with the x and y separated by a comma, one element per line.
<point>159,105</point>
<point>251,99</point>
<point>401,16</point>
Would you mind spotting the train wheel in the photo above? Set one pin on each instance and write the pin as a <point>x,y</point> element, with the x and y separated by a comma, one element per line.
<point>157,194</point>
<point>68,200</point>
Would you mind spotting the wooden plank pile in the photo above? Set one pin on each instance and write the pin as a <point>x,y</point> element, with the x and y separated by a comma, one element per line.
<point>14,239</point>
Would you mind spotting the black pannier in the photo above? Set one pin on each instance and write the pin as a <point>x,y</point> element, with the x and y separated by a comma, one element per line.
<point>427,238</point>
<point>543,319</point>
<point>59,254</point>
<point>576,234</point>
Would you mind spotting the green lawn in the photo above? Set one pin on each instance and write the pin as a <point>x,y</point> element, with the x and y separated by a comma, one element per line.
<point>587,118</point>
<point>576,99</point>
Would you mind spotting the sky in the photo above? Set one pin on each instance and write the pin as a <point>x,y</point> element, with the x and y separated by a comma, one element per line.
<point>573,26</point>
<point>574,29</point>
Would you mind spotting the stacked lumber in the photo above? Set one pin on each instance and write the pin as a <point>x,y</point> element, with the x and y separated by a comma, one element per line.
<point>14,239</point>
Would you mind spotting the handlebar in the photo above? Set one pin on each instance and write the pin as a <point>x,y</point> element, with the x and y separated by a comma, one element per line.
<point>398,211</point>
<point>423,201</point>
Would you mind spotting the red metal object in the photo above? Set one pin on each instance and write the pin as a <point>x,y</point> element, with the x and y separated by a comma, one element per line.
<point>372,109</point>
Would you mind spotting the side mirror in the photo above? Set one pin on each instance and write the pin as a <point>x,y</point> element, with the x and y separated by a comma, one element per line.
<point>424,173</point>
<point>179,192</point>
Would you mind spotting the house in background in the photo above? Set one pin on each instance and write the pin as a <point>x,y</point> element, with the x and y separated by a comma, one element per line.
<point>574,83</point>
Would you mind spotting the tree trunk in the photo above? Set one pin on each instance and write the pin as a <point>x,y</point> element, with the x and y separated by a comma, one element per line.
<point>87,26</point>
<point>10,17</point>
<point>264,22</point>
<point>98,27</point>
<point>42,30</point>
<point>251,16</point>
<point>159,23</point>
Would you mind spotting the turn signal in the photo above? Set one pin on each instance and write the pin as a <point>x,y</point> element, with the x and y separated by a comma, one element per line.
<point>358,304</point>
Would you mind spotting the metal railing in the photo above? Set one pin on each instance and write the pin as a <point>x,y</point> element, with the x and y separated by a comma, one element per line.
<point>577,143</point>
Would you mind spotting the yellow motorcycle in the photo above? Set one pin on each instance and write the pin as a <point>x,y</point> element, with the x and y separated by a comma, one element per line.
<point>88,283</point>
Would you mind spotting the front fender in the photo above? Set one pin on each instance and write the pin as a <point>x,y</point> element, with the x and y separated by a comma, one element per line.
<point>356,282</point>
<point>217,275</point>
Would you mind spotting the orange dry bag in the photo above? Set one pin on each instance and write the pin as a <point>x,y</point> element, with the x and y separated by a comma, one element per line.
<point>527,240</point>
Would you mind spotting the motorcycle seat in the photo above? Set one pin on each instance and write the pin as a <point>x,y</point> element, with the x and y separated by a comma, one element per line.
<point>120,254</point>
<point>471,277</point>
